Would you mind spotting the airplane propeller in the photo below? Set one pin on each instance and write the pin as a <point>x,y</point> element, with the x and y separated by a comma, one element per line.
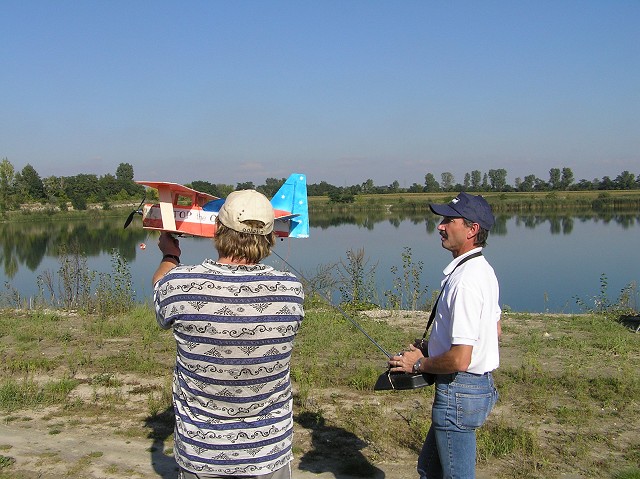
<point>134,212</point>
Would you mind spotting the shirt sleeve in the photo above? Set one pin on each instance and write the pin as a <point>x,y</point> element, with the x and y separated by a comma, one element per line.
<point>160,309</point>
<point>466,310</point>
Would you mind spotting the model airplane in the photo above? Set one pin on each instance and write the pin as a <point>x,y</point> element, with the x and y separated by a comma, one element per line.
<point>185,211</point>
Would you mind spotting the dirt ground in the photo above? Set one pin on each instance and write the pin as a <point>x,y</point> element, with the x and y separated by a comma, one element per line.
<point>52,443</point>
<point>95,452</point>
<point>56,442</point>
<point>87,452</point>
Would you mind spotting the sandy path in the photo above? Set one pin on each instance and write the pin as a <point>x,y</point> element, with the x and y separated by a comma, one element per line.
<point>84,453</point>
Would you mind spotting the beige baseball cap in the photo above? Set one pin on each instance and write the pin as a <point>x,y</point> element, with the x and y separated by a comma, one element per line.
<point>246,205</point>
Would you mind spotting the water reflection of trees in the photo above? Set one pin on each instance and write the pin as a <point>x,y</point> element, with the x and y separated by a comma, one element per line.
<point>558,224</point>
<point>28,243</point>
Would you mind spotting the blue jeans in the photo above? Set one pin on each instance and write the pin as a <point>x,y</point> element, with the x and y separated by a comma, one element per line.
<point>461,405</point>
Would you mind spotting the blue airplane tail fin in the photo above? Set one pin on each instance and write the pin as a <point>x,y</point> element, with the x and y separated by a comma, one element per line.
<point>292,196</point>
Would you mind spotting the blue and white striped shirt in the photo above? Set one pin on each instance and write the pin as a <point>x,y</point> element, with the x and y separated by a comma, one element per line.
<point>234,327</point>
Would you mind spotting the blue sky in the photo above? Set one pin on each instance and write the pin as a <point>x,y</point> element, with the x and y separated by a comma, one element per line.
<point>344,91</point>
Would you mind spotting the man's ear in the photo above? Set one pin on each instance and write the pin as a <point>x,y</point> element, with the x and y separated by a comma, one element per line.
<point>473,230</point>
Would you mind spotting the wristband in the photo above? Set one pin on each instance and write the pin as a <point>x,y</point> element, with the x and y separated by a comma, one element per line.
<point>171,256</point>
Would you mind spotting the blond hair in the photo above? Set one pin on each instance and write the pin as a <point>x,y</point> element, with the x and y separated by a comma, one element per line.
<point>238,246</point>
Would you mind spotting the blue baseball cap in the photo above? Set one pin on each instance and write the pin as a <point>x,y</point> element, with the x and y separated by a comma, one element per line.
<point>469,207</point>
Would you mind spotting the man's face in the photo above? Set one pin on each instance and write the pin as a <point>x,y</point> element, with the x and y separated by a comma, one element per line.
<point>456,236</point>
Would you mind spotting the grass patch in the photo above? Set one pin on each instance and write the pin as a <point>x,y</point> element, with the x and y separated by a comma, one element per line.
<point>633,473</point>
<point>26,393</point>
<point>334,353</point>
<point>569,389</point>
<point>566,382</point>
<point>498,439</point>
<point>6,461</point>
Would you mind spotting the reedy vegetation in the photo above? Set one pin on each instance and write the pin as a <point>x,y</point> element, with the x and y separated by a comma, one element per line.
<point>74,287</point>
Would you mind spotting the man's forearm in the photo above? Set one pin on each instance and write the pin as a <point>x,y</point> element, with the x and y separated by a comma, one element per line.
<point>166,265</point>
<point>455,360</point>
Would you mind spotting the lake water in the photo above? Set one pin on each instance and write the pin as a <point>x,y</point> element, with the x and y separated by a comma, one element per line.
<point>543,263</point>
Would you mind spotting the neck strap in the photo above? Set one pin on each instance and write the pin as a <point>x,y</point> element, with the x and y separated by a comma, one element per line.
<point>435,305</point>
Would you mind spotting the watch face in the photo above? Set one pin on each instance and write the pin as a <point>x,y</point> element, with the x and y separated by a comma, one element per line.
<point>416,366</point>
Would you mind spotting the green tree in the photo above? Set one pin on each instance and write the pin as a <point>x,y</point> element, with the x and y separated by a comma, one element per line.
<point>341,195</point>
<point>567,178</point>
<point>271,186</point>
<point>554,178</point>
<point>584,185</point>
<point>109,187</point>
<point>7,185</point>
<point>540,185</point>
<point>625,181</point>
<point>82,189</point>
<point>124,172</point>
<point>528,183</point>
<point>33,183</point>
<point>320,189</point>
<point>206,187</point>
<point>498,179</point>
<point>224,189</point>
<point>367,186</point>
<point>124,176</point>
<point>476,180</point>
<point>606,184</point>
<point>485,182</point>
<point>447,180</point>
<point>467,181</point>
<point>431,185</point>
<point>247,185</point>
<point>394,187</point>
<point>54,188</point>
<point>416,188</point>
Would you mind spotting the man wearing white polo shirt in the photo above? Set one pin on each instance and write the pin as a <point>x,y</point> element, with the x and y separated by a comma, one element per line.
<point>463,345</point>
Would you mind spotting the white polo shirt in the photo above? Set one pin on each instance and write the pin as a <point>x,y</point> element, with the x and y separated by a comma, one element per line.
<point>468,312</point>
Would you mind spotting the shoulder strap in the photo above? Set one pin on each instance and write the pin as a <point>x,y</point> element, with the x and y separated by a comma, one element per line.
<point>435,305</point>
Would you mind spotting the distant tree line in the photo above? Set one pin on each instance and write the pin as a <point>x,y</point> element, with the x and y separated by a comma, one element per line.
<point>26,186</point>
<point>477,181</point>
<point>474,181</point>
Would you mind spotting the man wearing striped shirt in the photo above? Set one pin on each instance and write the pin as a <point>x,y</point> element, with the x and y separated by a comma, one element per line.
<point>234,321</point>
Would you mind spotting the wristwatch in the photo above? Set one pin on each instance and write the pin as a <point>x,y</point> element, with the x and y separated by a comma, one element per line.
<point>416,366</point>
